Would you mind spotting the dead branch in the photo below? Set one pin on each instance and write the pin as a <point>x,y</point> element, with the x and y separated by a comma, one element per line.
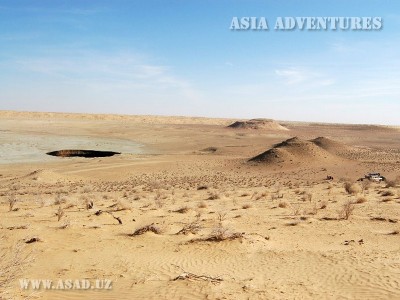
<point>191,276</point>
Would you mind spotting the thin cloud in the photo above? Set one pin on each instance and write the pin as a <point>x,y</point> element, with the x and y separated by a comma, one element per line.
<point>105,72</point>
<point>294,76</point>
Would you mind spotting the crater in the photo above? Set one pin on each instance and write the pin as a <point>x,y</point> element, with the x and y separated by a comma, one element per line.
<point>82,153</point>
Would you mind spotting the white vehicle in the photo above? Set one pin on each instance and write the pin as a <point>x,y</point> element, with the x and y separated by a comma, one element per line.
<point>375,177</point>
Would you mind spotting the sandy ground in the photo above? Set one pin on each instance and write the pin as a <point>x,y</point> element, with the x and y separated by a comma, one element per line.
<point>219,226</point>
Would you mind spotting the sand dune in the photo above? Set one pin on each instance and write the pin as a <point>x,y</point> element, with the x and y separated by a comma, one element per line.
<point>296,151</point>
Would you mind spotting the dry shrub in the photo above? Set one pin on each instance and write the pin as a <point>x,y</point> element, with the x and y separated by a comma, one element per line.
<point>361,200</point>
<point>313,210</point>
<point>365,185</point>
<point>323,204</point>
<point>12,263</point>
<point>193,228</point>
<point>307,197</point>
<point>295,209</point>
<point>221,216</point>
<point>347,210</point>
<point>283,204</point>
<point>11,202</point>
<point>60,213</point>
<point>246,206</point>
<point>59,200</point>
<point>159,200</point>
<point>202,205</point>
<point>220,233</point>
<point>351,188</point>
<point>152,228</point>
<point>387,194</point>
<point>393,183</point>
<point>182,210</point>
<point>213,196</point>
<point>387,200</point>
<point>88,204</point>
<point>394,232</point>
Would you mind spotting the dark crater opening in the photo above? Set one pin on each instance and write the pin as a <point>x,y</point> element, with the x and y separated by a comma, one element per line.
<point>82,153</point>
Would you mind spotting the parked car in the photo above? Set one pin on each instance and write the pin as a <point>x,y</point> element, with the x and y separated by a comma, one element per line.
<point>377,177</point>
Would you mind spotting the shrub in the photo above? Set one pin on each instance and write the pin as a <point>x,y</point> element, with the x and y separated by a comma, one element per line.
<point>361,200</point>
<point>12,261</point>
<point>283,204</point>
<point>351,188</point>
<point>192,228</point>
<point>182,210</point>
<point>11,202</point>
<point>202,205</point>
<point>147,228</point>
<point>213,196</point>
<point>347,210</point>
<point>387,193</point>
<point>60,213</point>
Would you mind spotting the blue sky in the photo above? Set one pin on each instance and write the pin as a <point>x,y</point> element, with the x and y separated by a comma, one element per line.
<point>180,58</point>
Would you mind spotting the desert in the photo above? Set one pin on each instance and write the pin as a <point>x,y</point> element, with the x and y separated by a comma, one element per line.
<point>195,208</point>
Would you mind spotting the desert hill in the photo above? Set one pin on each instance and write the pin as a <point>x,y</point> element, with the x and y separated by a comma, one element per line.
<point>296,151</point>
<point>293,150</point>
<point>267,124</point>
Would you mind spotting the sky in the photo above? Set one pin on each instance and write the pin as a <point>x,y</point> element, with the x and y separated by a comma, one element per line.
<point>164,57</point>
